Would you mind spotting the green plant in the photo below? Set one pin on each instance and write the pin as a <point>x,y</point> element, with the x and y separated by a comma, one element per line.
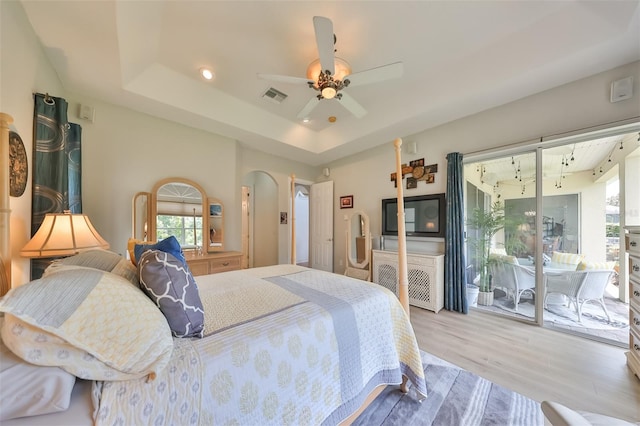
<point>485,224</point>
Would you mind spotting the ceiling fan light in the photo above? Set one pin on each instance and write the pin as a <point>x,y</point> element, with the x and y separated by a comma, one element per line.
<point>328,92</point>
<point>342,69</point>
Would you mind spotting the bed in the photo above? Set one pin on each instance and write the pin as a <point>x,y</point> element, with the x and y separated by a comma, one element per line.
<point>280,345</point>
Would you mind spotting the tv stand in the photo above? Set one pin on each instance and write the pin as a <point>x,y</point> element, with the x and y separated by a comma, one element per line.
<point>425,272</point>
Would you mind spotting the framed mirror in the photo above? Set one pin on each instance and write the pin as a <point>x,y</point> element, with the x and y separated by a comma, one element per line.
<point>358,240</point>
<point>178,209</point>
<point>216,225</point>
<point>141,216</point>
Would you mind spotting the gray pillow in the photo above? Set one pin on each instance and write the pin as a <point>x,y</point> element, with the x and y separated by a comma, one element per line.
<point>103,260</point>
<point>169,283</point>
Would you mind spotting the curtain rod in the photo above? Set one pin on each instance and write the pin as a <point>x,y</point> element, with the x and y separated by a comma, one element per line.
<point>47,98</point>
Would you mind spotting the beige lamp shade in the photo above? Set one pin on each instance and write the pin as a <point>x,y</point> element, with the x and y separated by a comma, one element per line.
<point>63,234</point>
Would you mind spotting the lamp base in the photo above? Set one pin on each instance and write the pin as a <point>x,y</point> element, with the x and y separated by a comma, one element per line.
<point>39,265</point>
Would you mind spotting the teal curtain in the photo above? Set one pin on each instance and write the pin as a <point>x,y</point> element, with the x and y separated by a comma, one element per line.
<point>455,283</point>
<point>56,165</point>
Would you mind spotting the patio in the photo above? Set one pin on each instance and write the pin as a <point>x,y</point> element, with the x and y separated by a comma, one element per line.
<point>594,322</point>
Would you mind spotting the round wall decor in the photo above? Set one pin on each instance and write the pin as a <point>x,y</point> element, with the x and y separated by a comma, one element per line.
<point>18,166</point>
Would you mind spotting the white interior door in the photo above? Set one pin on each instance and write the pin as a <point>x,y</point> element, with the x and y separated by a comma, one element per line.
<point>321,225</point>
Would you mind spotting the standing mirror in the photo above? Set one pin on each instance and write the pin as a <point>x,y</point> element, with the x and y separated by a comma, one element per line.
<point>179,209</point>
<point>358,246</point>
<point>216,225</point>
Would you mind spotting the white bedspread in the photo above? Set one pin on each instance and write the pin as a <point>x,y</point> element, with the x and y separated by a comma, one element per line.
<point>283,345</point>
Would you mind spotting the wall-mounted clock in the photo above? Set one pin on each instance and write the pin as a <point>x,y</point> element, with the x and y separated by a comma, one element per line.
<point>18,166</point>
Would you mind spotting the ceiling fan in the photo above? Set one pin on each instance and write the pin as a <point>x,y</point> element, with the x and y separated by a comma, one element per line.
<point>329,74</point>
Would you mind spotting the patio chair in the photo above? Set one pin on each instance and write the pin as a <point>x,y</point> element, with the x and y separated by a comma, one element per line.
<point>579,287</point>
<point>515,279</point>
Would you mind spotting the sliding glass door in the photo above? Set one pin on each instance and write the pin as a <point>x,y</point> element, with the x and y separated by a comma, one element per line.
<point>543,233</point>
<point>501,234</point>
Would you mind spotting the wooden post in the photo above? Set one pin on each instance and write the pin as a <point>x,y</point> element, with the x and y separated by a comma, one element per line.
<point>403,280</point>
<point>293,219</point>
<point>5,211</point>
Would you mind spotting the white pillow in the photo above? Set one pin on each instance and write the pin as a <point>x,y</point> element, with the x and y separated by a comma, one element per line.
<point>559,415</point>
<point>91,323</point>
<point>30,390</point>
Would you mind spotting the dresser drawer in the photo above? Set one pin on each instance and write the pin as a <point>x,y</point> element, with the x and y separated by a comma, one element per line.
<point>198,267</point>
<point>633,246</point>
<point>634,287</point>
<point>634,268</point>
<point>635,344</point>
<point>224,264</point>
<point>634,317</point>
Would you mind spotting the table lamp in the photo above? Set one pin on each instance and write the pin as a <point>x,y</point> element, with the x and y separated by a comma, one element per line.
<point>63,234</point>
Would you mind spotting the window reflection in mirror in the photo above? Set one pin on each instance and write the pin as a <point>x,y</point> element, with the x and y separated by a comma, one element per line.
<point>179,213</point>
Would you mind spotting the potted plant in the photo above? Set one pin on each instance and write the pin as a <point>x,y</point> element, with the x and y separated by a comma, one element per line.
<point>485,224</point>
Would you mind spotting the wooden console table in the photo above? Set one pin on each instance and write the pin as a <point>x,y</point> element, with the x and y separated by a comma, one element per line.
<point>212,263</point>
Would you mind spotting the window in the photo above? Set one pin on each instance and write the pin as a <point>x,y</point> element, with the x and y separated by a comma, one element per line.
<point>181,227</point>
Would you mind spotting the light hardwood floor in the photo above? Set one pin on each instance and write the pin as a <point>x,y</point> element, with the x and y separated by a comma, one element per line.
<point>540,363</point>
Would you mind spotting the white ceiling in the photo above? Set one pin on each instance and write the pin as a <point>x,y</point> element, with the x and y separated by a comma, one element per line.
<point>460,57</point>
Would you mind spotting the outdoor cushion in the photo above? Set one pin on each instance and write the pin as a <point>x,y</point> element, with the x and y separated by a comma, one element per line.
<point>567,258</point>
<point>585,265</point>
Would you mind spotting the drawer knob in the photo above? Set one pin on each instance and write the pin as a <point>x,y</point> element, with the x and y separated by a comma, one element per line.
<point>636,293</point>
<point>636,268</point>
<point>633,244</point>
<point>636,321</point>
<point>225,263</point>
<point>636,347</point>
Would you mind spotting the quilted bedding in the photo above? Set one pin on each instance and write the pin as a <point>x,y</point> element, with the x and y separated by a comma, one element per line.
<point>283,345</point>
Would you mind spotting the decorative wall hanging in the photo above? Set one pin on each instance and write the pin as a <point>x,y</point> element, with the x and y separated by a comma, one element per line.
<point>346,202</point>
<point>417,172</point>
<point>18,165</point>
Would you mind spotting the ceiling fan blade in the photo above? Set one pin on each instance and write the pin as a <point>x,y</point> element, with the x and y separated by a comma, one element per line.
<point>324,39</point>
<point>374,75</point>
<point>284,78</point>
<point>304,112</point>
<point>352,105</point>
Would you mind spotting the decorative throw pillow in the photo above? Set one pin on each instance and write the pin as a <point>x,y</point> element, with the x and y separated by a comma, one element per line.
<point>91,323</point>
<point>169,283</point>
<point>30,390</point>
<point>168,245</point>
<point>103,260</point>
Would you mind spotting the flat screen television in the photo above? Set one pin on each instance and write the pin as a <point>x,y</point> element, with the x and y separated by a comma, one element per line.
<point>424,216</point>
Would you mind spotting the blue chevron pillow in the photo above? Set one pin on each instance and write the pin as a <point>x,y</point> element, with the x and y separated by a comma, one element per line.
<point>169,284</point>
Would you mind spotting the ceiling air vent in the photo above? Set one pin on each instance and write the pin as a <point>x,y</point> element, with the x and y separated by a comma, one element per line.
<point>274,95</point>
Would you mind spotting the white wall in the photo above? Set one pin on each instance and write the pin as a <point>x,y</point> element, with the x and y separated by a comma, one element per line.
<point>25,70</point>
<point>124,151</point>
<point>577,105</point>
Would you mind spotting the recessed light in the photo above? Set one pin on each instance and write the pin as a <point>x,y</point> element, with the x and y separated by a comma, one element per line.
<point>305,120</point>
<point>207,74</point>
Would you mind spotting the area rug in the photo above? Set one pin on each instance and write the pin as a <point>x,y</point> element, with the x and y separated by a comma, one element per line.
<point>456,398</point>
